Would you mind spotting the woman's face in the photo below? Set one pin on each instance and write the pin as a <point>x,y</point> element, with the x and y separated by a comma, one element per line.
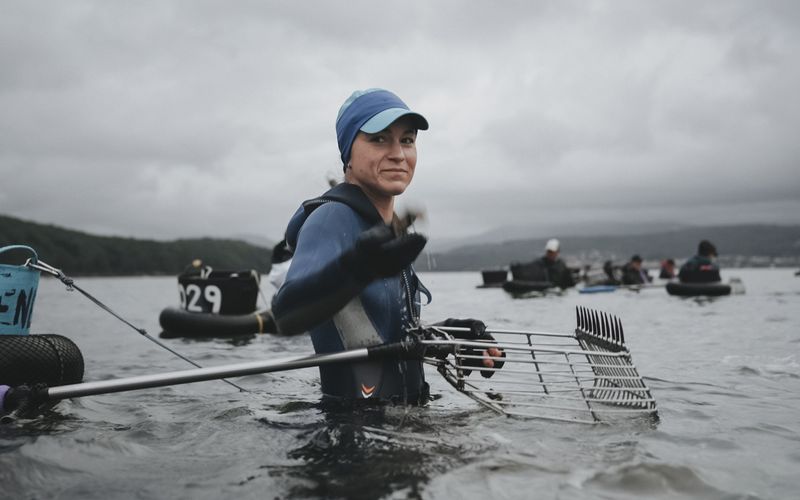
<point>382,164</point>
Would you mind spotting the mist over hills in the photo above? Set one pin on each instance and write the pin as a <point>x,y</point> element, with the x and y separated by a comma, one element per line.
<point>545,230</point>
<point>738,245</point>
<point>80,253</point>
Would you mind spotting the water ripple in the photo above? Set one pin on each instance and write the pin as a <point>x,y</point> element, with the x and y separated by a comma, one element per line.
<point>655,480</point>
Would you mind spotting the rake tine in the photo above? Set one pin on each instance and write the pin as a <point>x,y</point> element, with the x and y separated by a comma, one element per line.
<point>596,323</point>
<point>600,327</point>
<point>585,315</point>
<point>583,319</point>
<point>612,330</point>
<point>600,331</point>
<point>586,321</point>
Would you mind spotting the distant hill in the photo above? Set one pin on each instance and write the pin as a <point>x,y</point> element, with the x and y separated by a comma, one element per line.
<point>78,253</point>
<point>741,245</point>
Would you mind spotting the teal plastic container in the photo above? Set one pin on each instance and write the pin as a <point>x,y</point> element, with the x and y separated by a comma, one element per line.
<point>18,285</point>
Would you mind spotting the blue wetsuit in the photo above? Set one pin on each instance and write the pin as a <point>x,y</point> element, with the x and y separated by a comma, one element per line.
<point>320,232</point>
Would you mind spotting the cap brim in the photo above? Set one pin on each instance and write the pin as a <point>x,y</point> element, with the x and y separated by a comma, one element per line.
<point>388,116</point>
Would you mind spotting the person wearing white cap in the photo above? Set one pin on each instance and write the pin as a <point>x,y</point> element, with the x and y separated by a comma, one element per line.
<point>555,270</point>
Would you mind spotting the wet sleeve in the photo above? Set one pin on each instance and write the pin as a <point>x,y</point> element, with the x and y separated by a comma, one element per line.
<point>317,286</point>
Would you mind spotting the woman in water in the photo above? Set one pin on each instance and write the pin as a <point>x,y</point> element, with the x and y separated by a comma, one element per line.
<point>351,283</point>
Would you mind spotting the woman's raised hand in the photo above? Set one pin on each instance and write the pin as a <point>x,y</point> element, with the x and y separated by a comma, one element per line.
<point>378,253</point>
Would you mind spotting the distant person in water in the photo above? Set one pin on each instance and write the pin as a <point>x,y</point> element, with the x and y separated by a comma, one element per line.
<point>280,262</point>
<point>703,267</point>
<point>634,274</point>
<point>555,271</point>
<point>611,272</point>
<point>667,269</point>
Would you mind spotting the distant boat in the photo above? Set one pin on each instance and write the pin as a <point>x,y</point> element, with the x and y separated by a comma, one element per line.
<point>598,289</point>
<point>493,278</point>
<point>527,289</point>
<point>613,288</point>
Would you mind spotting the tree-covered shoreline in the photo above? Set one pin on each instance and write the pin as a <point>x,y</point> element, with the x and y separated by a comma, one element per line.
<point>82,254</point>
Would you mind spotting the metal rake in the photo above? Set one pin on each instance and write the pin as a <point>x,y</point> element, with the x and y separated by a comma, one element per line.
<point>586,377</point>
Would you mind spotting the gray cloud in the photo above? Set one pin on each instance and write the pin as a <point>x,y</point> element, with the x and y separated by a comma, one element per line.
<point>174,119</point>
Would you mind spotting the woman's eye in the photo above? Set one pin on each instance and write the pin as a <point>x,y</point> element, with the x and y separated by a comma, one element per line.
<point>377,138</point>
<point>408,140</point>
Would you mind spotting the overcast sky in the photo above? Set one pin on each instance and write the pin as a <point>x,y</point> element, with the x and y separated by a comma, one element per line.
<point>170,119</point>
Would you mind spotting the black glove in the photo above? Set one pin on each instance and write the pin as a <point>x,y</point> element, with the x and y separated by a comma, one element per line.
<point>25,399</point>
<point>477,331</point>
<point>378,253</point>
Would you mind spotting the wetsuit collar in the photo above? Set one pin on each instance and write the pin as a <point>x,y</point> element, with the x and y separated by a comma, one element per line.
<point>352,196</point>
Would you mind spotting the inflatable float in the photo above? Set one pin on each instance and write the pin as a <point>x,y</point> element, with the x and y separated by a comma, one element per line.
<point>177,322</point>
<point>216,304</point>
<point>522,288</point>
<point>493,278</point>
<point>46,358</point>
<point>711,289</point>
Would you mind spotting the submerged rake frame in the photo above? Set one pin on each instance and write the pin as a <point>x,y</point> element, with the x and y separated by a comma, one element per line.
<point>586,377</point>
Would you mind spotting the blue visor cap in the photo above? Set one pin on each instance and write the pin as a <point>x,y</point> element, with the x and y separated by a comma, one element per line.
<point>370,111</point>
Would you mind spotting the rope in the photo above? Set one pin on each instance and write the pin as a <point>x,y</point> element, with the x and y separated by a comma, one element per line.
<point>260,323</point>
<point>70,284</point>
<point>257,276</point>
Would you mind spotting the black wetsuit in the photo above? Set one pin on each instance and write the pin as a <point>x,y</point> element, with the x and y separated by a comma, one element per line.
<point>556,272</point>
<point>632,276</point>
<point>699,269</point>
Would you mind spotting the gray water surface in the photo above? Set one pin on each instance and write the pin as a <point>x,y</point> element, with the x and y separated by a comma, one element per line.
<point>725,373</point>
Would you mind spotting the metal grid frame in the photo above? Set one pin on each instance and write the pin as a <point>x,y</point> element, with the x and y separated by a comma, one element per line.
<point>586,377</point>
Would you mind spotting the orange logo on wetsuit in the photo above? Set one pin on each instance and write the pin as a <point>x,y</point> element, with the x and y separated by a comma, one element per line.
<point>367,392</point>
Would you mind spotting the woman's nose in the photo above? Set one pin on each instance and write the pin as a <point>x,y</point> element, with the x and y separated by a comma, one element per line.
<point>396,151</point>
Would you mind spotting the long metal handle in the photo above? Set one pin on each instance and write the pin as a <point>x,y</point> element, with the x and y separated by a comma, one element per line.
<point>202,374</point>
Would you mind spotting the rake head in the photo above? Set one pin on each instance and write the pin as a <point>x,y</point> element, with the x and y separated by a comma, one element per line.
<point>586,377</point>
